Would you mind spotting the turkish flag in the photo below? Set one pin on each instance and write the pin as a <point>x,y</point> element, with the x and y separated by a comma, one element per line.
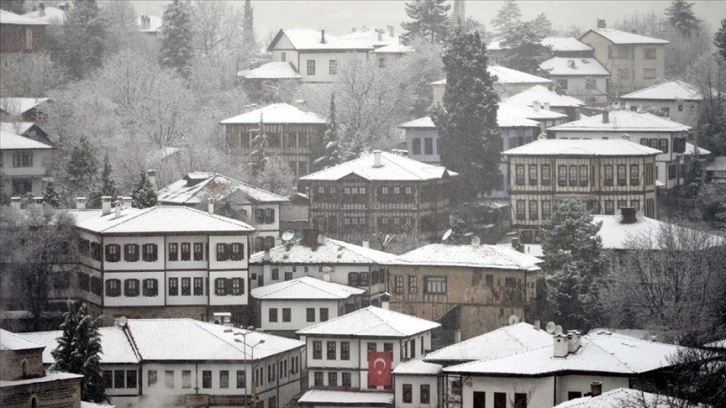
<point>379,368</point>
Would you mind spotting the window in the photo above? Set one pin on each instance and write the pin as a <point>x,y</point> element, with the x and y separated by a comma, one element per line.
<point>583,176</point>
<point>113,253</point>
<point>345,350</point>
<point>272,315</point>
<point>590,84</point>
<point>131,252</point>
<point>318,381</point>
<point>562,176</point>
<point>649,53</point>
<point>332,379</point>
<point>236,251</point>
<point>283,56</point>
<point>96,251</point>
<point>621,175</point>
<point>500,400</point>
<point>663,145</point>
<point>186,378</point>
<point>288,276</point>
<point>520,210</point>
<point>131,287</point>
<point>533,213</point>
<point>435,284</point>
<point>519,174</point>
<point>562,84</point>
<point>83,246</point>
<point>311,67</point>
<point>346,380</point>
<point>407,393</point>
<point>198,251</point>
<point>286,315</point>
<point>119,377</point>
<point>186,286</point>
<point>113,288</point>
<point>573,394</point>
<point>546,209</point>
<point>275,274</point>
<point>186,251</point>
<point>223,379</point>
<point>173,286</point>
<point>332,67</point>
<point>520,400</point>
<point>220,287</point>
<point>206,379</point>
<point>635,204</point>
<point>310,312</point>
<point>532,174</point>
<point>241,379</point>
<point>634,175</point>
<point>425,393</point>
<point>429,146</point>
<point>648,73</point>
<point>412,285</point>
<point>151,287</point>
<point>623,73</point>
<point>169,379</point>
<point>237,286</point>
<point>173,252</point>
<point>131,379</point>
<point>416,147</point>
<point>545,174</point>
<point>23,158</point>
<point>152,378</point>
<point>573,176</point>
<point>270,242</point>
<point>198,286</point>
<point>609,207</point>
<point>323,314</point>
<point>363,277</point>
<point>149,252</point>
<point>672,171</point>
<point>331,350</point>
<point>608,175</point>
<point>222,252</point>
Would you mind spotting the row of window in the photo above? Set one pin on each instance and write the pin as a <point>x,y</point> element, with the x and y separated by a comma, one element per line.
<point>624,73</point>
<point>262,243</point>
<point>274,139</point>
<point>120,379</point>
<point>23,158</point>
<point>656,143</point>
<point>428,146</point>
<point>331,350</point>
<point>265,216</point>
<point>579,175</point>
<point>186,286</point>
<point>424,393</point>
<point>332,67</point>
<point>358,279</point>
<point>150,287</point>
<point>91,284</point>
<point>185,251</point>
<point>500,399</point>
<point>609,207</point>
<point>345,377</point>
<point>132,287</point>
<point>432,284</point>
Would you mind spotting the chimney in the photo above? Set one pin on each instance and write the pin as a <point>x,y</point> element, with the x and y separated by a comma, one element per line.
<point>626,136</point>
<point>41,10</point>
<point>380,34</point>
<point>302,104</point>
<point>365,244</point>
<point>571,64</point>
<point>105,205</point>
<point>310,238</point>
<point>117,208</point>
<point>536,105</point>
<point>475,241</point>
<point>595,388</point>
<point>15,202</point>
<point>546,106</point>
<point>80,203</point>
<point>386,301</point>
<point>559,348</point>
<point>151,175</point>
<point>266,257</point>
<point>606,116</point>
<point>38,200</point>
<point>601,23</point>
<point>573,341</point>
<point>391,31</point>
<point>457,336</point>
<point>322,36</point>
<point>628,214</point>
<point>126,201</point>
<point>377,159</point>
<point>210,205</point>
<point>536,324</point>
<point>326,273</point>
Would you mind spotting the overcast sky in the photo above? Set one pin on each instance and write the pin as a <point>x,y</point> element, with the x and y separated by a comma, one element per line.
<point>342,15</point>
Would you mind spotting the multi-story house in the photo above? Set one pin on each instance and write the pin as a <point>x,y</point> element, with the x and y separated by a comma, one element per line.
<point>161,261</point>
<point>350,359</point>
<point>20,35</point>
<point>635,61</point>
<point>291,133</point>
<point>285,307</point>
<point>583,78</point>
<point>231,198</point>
<point>382,193</point>
<point>677,100</point>
<point>539,95</point>
<point>323,258</point>
<point>644,128</point>
<point>26,164</point>
<point>486,283</point>
<point>605,174</point>
<point>183,362</point>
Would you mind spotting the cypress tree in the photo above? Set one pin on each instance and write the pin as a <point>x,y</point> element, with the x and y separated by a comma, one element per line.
<point>329,146</point>
<point>176,38</point>
<point>143,195</point>
<point>82,166</point>
<point>430,20</point>
<point>258,155</point>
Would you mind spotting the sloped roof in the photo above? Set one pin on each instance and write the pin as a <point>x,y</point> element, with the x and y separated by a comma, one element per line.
<point>187,339</point>
<point>271,70</point>
<point>336,397</point>
<point>309,40</point>
<point>616,235</point>
<point>117,348</point>
<point>563,66</point>
<point>718,164</point>
<point>53,15</point>
<point>276,113</point>
<point>508,115</point>
<point>11,141</point>
<point>539,93</point>
<point>393,49</point>
<point>563,44</point>
<point>7,17</point>
<point>371,322</point>
<point>425,123</point>
<point>369,36</point>
<point>468,256</point>
<point>691,150</point>
<point>666,91</point>
<point>716,344</point>
<point>46,378</point>
<point>627,397</point>
<point>531,113</point>
<point>506,75</point>
<point>582,147</point>
<point>623,37</point>
<point>331,252</point>
<point>623,121</point>
<point>603,352</point>
<point>212,185</point>
<point>16,127</point>
<point>505,341</point>
<point>12,341</point>
<point>393,167</point>
<point>417,367</point>
<point>158,220</point>
<point>18,106</point>
<point>305,288</point>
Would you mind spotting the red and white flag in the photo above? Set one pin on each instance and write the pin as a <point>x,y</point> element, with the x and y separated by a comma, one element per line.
<point>379,368</point>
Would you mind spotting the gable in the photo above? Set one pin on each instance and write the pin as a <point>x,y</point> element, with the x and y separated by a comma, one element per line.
<point>353,178</point>
<point>281,42</point>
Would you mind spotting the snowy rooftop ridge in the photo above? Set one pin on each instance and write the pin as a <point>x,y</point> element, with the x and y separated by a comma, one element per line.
<point>417,367</point>
<point>305,288</point>
<point>624,37</point>
<point>11,141</point>
<point>276,113</point>
<point>15,342</point>
<point>212,185</point>
<point>623,121</point>
<point>574,67</point>
<point>506,75</point>
<point>7,17</point>
<point>539,93</point>
<point>471,256</point>
<point>336,397</point>
<point>331,251</point>
<point>564,44</point>
<point>582,147</point>
<point>508,116</point>
<point>616,235</point>
<point>667,91</point>
<point>371,322</point>
<point>271,70</point>
<point>117,349</point>
<point>18,106</point>
<point>311,40</point>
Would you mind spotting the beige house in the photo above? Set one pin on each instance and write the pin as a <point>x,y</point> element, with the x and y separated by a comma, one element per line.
<point>675,99</point>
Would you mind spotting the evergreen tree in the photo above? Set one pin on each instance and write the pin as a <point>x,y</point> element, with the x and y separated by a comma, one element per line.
<point>143,195</point>
<point>470,143</point>
<point>682,17</point>
<point>720,39</point>
<point>50,196</point>
<point>82,166</point>
<point>277,177</point>
<point>507,19</point>
<point>695,175</point>
<point>330,150</point>
<point>542,25</point>
<point>258,156</point>
<point>430,20</point>
<point>84,38</point>
<point>13,6</point>
<point>108,184</point>
<point>523,49</point>
<point>176,38</point>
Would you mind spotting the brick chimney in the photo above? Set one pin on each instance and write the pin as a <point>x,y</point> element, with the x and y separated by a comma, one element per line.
<point>628,214</point>
<point>626,137</point>
<point>606,116</point>
<point>377,159</point>
<point>322,37</point>
<point>573,341</point>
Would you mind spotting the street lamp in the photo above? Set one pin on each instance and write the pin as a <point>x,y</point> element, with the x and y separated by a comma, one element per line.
<point>252,358</point>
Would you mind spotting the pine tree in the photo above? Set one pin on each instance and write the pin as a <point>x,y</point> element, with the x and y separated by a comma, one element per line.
<point>108,184</point>
<point>258,156</point>
<point>719,39</point>
<point>82,167</point>
<point>470,143</point>
<point>542,25</point>
<point>523,49</point>
<point>176,38</point>
<point>430,20</point>
<point>507,19</point>
<point>84,38</point>
<point>51,197</point>
<point>329,146</point>
<point>143,195</point>
<point>682,17</point>
<point>695,175</point>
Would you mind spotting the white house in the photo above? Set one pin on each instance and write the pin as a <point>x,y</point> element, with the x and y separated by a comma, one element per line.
<point>416,384</point>
<point>676,99</point>
<point>291,305</point>
<point>507,82</point>
<point>583,78</point>
<point>353,356</point>
<point>231,198</point>
<point>26,164</point>
<point>540,95</point>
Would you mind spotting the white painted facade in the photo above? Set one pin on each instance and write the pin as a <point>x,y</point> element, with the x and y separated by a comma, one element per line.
<point>416,381</point>
<point>298,312</point>
<point>590,89</point>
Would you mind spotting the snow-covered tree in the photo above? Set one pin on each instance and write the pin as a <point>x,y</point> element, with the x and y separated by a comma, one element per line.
<point>682,17</point>
<point>695,175</point>
<point>507,19</point>
<point>720,39</point>
<point>430,20</point>
<point>82,167</point>
<point>144,195</point>
<point>105,187</point>
<point>329,146</point>
<point>177,38</point>
<point>13,6</point>
<point>277,177</point>
<point>470,143</point>
<point>258,155</point>
<point>542,25</point>
<point>84,37</point>
<point>51,197</point>
<point>248,29</point>
<point>523,49</point>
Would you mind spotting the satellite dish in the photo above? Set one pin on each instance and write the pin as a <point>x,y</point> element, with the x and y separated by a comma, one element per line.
<point>558,329</point>
<point>475,241</point>
<point>513,319</point>
<point>122,321</point>
<point>288,235</point>
<point>321,239</point>
<point>550,327</point>
<point>447,234</point>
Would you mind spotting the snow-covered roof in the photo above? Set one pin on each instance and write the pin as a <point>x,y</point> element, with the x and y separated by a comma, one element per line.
<point>512,76</point>
<point>532,113</point>
<point>626,397</point>
<point>603,352</point>
<point>417,367</point>
<point>370,36</point>
<point>305,288</point>
<point>117,348</point>
<point>468,256</point>
<point>14,342</point>
<point>691,150</point>
<point>496,45</point>
<point>11,141</point>
<point>331,252</point>
<point>187,339</point>
<point>86,404</point>
<point>508,116</point>
<point>616,235</point>
<point>666,91</point>
<point>158,220</point>
<point>624,37</point>
<point>718,164</point>
<point>424,123</point>
<point>276,113</point>
<point>716,344</point>
<point>393,167</point>
<point>7,17</point>
<point>582,147</point>
<point>16,127</point>
<point>18,106</point>
<point>212,185</point>
<point>393,49</point>
<point>310,40</point>
<point>51,15</point>
<point>541,94</point>
<point>508,340</point>
<point>271,70</point>
<point>563,66</point>
<point>46,378</point>
<point>155,23</point>
<point>335,397</point>
<point>564,44</point>
<point>371,322</point>
<point>623,121</point>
